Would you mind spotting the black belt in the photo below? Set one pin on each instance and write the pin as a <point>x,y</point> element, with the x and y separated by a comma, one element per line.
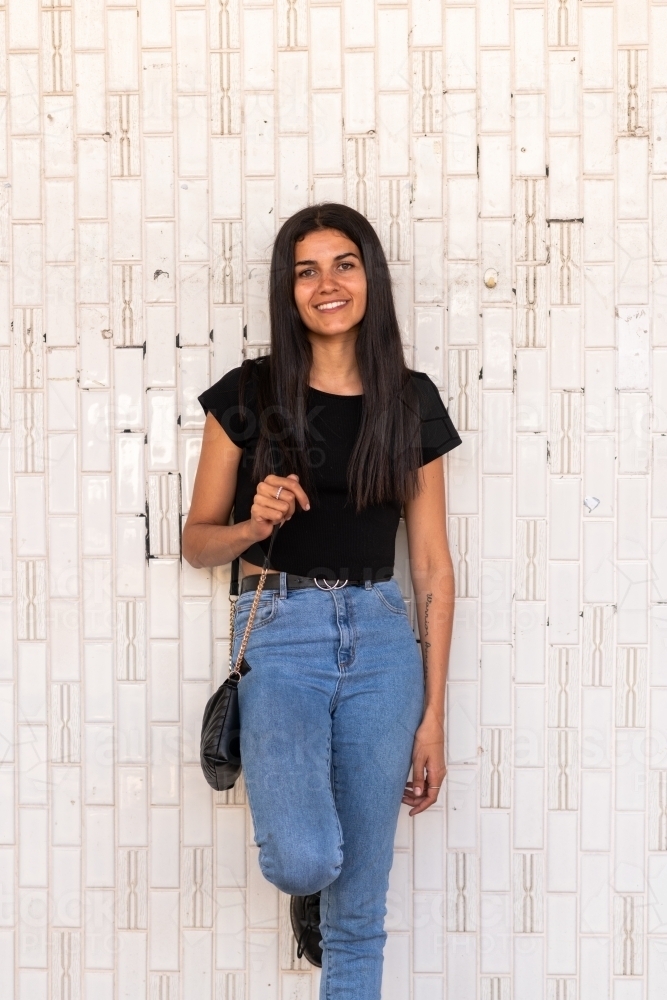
<point>304,582</point>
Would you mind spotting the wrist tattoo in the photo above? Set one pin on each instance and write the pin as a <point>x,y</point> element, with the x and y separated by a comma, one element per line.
<point>426,644</point>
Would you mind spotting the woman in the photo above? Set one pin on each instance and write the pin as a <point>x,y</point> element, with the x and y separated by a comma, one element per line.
<point>329,437</point>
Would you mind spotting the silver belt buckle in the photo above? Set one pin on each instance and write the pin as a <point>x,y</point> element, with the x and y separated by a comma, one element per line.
<point>338,585</point>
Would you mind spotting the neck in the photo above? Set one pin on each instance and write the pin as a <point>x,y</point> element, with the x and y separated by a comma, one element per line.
<point>334,367</point>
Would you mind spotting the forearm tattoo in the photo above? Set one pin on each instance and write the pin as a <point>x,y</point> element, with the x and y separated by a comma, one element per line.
<point>426,644</point>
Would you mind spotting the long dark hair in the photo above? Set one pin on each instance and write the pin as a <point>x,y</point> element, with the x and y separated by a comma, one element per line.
<point>383,465</point>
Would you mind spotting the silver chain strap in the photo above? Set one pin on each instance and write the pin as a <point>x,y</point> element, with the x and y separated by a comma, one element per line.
<point>251,617</point>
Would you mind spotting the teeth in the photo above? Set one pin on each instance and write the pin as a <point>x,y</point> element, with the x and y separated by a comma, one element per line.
<point>330,305</point>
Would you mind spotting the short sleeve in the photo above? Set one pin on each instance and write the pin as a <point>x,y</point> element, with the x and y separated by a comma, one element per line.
<point>438,434</point>
<point>222,401</point>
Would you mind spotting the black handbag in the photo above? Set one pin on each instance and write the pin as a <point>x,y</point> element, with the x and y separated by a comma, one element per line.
<point>220,748</point>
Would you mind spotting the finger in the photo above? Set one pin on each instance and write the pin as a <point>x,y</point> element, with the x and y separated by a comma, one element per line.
<point>291,483</point>
<point>262,513</point>
<point>270,503</point>
<point>418,765</point>
<point>264,490</point>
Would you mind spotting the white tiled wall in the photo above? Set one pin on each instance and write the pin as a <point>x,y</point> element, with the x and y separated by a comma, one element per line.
<point>513,157</point>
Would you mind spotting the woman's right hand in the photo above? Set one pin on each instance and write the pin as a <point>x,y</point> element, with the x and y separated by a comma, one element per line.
<point>268,510</point>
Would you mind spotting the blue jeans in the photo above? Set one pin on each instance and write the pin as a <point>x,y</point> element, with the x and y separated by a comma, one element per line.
<point>328,717</point>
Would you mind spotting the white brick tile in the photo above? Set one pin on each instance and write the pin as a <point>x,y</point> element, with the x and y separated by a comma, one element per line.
<point>327,144</point>
<point>495,924</point>
<point>163,589</point>
<point>66,890</point>
<point>33,847</point>
<point>98,673</point>
<point>95,449</point>
<point>530,134</point>
<point>495,851</point>
<point>628,874</point>
<point>156,84</point>
<point>392,48</point>
<point>30,520</point>
<point>66,806</point>
<point>197,818</point>
<point>122,65</point>
<point>495,702</point>
<point>633,178</point>
<point>460,127</point>
<point>159,180</point>
<point>529,727</point>
<point>156,23</point>
<point>191,51</point>
<point>461,808</point>
<point>462,723</point>
<point>563,603</point>
<point>293,172</point>
<point>496,591</point>
<point>633,252</point>
<point>529,643</point>
<point>565,513</point>
<point>131,969</point>
<point>90,102</point>
<point>428,262</point>
<point>393,113</point>
<point>462,303</point>
<point>597,47</point>
<point>598,133</point>
<point>495,175</point>
<point>561,934</point>
<point>599,216</point>
<point>325,46</point>
<point>598,551</point>
<point>292,101</point>
<point>632,518</point>
<point>595,967</point>
<point>94,362</point>
<point>495,88</point>
<point>132,807</point>
<point>63,551</point>
<point>562,844</point>
<point>163,948</point>
<point>164,853</point>
<point>260,227</point>
<point>531,390</point>
<point>26,171</point>
<point>564,201</point>
<point>360,90</point>
<point>23,25</point>
<point>460,55</point>
<point>594,906</point>
<point>529,57</point>
<point>89,24</point>
<point>462,213</point>
<point>230,935</point>
<point>359,22</point>
<point>564,73</point>
<point>258,36</point>
<point>632,20</point>
<point>65,617</point>
<point>162,408</point>
<point>529,809</point>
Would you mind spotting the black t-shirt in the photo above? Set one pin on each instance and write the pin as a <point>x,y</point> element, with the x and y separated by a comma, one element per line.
<point>331,539</point>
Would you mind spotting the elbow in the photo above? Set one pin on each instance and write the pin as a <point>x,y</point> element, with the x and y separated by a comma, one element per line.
<point>190,551</point>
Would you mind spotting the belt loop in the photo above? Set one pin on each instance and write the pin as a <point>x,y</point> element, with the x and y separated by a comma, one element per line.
<point>368,584</point>
<point>283,585</point>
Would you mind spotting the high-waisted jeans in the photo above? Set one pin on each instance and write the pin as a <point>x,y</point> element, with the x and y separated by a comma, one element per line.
<point>329,712</point>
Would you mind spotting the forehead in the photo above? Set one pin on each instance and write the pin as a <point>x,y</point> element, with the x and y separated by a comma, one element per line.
<point>323,243</point>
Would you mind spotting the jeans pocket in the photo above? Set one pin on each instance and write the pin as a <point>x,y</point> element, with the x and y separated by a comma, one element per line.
<point>267,609</point>
<point>389,595</point>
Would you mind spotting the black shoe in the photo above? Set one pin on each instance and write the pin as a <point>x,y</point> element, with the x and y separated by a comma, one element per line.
<point>304,913</point>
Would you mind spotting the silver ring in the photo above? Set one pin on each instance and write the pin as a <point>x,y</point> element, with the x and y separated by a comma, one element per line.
<point>278,492</point>
<point>338,585</point>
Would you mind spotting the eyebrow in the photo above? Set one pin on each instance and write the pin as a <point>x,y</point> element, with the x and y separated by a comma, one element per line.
<point>341,256</point>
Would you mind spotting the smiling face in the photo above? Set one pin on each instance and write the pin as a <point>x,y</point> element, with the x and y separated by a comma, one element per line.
<point>329,283</point>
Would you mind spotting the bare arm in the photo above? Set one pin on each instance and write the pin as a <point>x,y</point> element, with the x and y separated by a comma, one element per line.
<point>208,538</point>
<point>433,583</point>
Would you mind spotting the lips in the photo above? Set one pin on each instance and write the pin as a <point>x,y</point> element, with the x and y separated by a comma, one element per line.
<point>331,306</point>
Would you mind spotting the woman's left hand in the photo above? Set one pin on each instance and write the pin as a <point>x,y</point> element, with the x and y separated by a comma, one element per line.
<point>428,766</point>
